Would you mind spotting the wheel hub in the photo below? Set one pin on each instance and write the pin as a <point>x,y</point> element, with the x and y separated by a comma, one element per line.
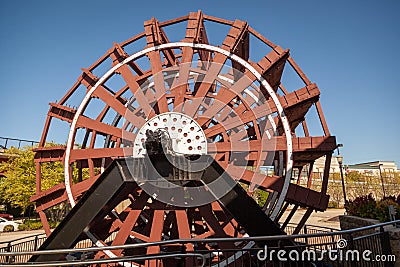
<point>185,133</point>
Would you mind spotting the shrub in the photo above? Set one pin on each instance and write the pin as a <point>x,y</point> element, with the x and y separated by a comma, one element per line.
<point>22,227</point>
<point>392,198</point>
<point>382,209</point>
<point>333,204</point>
<point>363,206</point>
<point>262,197</point>
<point>8,228</point>
<point>367,207</point>
<point>33,224</point>
<point>53,224</point>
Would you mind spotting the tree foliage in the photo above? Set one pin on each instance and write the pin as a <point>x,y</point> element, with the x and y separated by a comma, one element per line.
<point>355,176</point>
<point>367,207</point>
<point>20,181</point>
<point>19,184</point>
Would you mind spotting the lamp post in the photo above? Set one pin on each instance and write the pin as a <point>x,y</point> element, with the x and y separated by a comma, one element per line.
<point>340,161</point>
<point>383,185</point>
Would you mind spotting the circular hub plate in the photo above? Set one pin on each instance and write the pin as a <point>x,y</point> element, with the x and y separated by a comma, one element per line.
<point>186,135</point>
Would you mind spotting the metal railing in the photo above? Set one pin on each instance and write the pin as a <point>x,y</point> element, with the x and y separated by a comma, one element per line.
<point>29,243</point>
<point>309,229</point>
<point>6,141</point>
<point>244,251</point>
<point>314,229</point>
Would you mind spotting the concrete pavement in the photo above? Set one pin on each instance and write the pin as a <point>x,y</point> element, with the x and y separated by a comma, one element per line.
<point>8,236</point>
<point>328,218</point>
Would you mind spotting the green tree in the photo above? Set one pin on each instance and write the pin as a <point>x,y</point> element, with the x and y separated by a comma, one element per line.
<point>355,177</point>
<point>262,197</point>
<point>19,184</point>
<point>20,181</point>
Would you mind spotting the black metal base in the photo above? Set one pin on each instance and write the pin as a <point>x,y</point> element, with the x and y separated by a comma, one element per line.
<point>123,176</point>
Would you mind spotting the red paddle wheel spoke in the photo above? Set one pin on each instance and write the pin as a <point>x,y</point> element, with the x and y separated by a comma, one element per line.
<point>206,100</point>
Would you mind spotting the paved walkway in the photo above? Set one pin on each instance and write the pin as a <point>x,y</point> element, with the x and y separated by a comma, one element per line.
<point>4,237</point>
<point>328,218</point>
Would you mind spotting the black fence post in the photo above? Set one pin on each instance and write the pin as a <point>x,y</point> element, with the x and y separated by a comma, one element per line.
<point>35,247</point>
<point>305,232</point>
<point>333,238</point>
<point>385,246</point>
<point>183,259</point>
<point>9,248</point>
<point>350,243</point>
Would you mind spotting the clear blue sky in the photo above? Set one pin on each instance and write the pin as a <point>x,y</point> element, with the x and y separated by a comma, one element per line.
<point>349,48</point>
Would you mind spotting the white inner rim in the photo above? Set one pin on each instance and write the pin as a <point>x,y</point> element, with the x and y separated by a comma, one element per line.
<point>274,97</point>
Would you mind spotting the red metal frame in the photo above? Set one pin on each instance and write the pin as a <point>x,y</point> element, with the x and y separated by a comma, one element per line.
<point>296,105</point>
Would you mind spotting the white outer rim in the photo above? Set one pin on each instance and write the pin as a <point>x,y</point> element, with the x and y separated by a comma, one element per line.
<point>281,114</point>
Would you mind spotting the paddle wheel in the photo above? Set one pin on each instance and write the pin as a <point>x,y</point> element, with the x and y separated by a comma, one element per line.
<point>187,127</point>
